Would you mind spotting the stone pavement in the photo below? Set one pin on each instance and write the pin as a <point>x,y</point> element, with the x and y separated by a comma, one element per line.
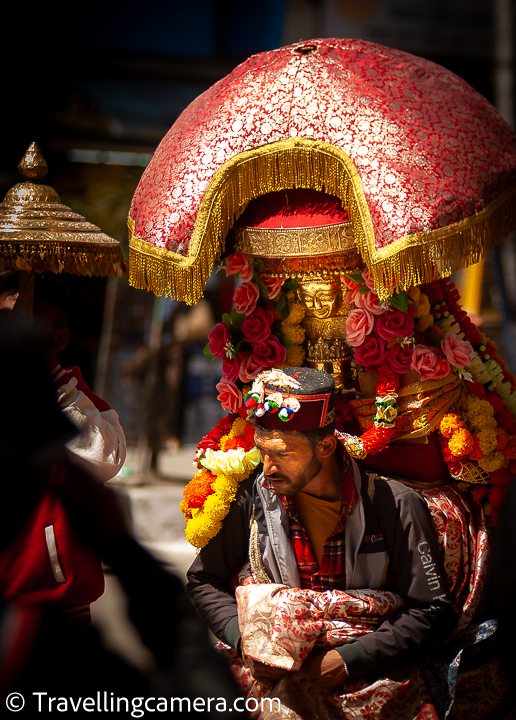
<point>151,502</point>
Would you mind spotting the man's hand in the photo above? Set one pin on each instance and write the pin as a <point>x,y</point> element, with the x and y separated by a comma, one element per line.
<point>322,671</point>
<point>265,674</point>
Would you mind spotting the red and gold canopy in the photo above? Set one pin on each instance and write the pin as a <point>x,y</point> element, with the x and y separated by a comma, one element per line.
<point>425,166</point>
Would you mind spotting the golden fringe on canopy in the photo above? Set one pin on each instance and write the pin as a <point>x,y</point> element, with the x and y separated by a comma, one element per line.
<point>307,163</point>
<point>63,255</point>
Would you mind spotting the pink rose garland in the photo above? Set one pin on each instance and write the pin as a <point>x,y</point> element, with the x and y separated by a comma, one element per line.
<point>229,395</point>
<point>246,297</point>
<point>457,352</point>
<point>249,367</point>
<point>359,323</point>
<point>429,363</point>
<point>273,285</point>
<point>369,301</point>
<point>239,264</point>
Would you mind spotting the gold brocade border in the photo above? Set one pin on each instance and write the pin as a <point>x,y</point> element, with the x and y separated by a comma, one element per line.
<point>307,163</point>
<point>286,164</point>
<point>295,242</point>
<point>426,256</point>
<point>68,255</point>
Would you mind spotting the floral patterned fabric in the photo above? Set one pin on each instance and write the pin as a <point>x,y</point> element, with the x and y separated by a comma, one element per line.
<point>280,625</point>
<point>429,150</point>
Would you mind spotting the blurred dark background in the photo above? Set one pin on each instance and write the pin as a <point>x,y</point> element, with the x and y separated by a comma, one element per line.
<point>98,85</point>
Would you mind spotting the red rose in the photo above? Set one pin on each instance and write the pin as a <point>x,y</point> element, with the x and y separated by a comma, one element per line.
<point>257,325</point>
<point>218,340</point>
<point>246,297</point>
<point>399,358</point>
<point>371,353</point>
<point>241,265</point>
<point>270,352</point>
<point>429,363</point>
<point>249,368</point>
<point>394,324</point>
<point>230,367</point>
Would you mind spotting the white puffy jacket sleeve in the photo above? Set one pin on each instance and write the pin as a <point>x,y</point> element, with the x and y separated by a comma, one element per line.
<point>99,447</point>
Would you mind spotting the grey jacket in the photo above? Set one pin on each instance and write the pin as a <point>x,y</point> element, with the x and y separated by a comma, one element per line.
<point>390,544</point>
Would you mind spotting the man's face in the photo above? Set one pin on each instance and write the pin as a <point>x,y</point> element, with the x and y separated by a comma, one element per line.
<point>289,460</point>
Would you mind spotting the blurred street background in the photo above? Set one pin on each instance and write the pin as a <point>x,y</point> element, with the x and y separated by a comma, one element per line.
<point>98,85</point>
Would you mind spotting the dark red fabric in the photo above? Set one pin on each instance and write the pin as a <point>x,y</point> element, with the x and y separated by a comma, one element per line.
<point>293,209</point>
<point>26,575</point>
<point>310,416</point>
<point>418,462</point>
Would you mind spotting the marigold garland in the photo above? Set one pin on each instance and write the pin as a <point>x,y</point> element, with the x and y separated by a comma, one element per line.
<point>224,461</point>
<point>488,410</point>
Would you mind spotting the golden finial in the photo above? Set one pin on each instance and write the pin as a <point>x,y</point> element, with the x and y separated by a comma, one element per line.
<point>33,165</point>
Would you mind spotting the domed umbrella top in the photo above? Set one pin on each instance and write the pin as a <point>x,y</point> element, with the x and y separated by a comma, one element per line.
<point>425,165</point>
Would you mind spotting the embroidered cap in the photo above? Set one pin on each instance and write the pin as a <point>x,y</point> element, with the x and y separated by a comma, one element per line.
<point>292,399</point>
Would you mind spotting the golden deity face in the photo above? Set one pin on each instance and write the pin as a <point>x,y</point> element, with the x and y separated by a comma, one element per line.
<point>322,298</point>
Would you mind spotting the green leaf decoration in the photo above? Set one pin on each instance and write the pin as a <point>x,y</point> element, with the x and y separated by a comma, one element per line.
<point>226,320</point>
<point>262,286</point>
<point>400,301</point>
<point>258,264</point>
<point>282,307</point>
<point>236,318</point>
<point>206,352</point>
<point>356,276</point>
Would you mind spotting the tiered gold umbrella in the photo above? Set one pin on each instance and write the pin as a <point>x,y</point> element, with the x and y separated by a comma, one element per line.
<point>38,233</point>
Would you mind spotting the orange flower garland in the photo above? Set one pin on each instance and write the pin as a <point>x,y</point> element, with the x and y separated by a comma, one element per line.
<point>224,461</point>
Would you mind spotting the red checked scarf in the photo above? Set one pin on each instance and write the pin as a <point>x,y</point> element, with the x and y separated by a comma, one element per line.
<point>332,573</point>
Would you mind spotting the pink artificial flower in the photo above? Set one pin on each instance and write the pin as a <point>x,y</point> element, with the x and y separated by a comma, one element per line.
<point>394,324</point>
<point>229,395</point>
<point>359,323</point>
<point>249,368</point>
<point>457,352</point>
<point>230,368</point>
<point>399,358</point>
<point>257,325</point>
<point>429,363</point>
<point>371,353</point>
<point>246,297</point>
<point>368,278</point>
<point>369,301</point>
<point>270,352</point>
<point>218,340</point>
<point>273,285</point>
<point>242,265</point>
